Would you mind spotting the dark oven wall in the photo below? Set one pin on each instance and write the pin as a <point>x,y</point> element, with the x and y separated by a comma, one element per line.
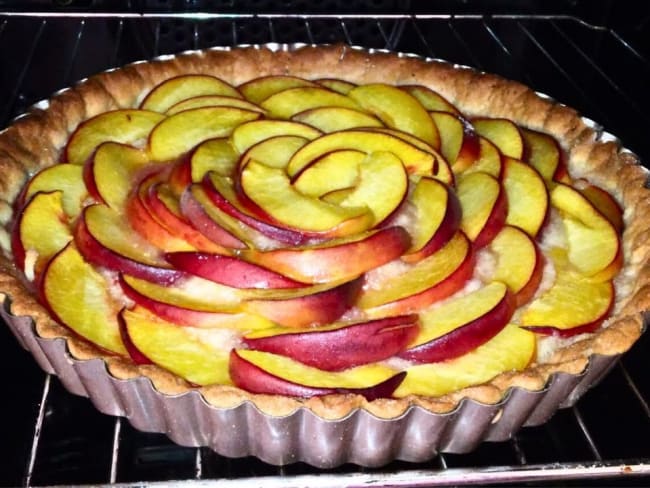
<point>590,55</point>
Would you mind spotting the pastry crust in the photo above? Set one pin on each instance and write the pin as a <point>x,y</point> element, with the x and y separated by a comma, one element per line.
<point>36,140</point>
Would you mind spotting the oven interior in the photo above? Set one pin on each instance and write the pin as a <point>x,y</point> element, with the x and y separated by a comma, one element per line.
<point>594,56</point>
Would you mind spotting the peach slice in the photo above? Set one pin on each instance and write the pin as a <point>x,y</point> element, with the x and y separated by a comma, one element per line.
<point>380,173</point>
<point>485,207</point>
<point>594,246</point>
<point>248,134</point>
<point>604,202</point>
<point>195,125</point>
<point>524,185</point>
<point>174,90</point>
<point>189,313</point>
<point>125,125</point>
<point>543,152</point>
<point>489,160</point>
<point>192,354</point>
<point>212,101</point>
<point>440,169</point>
<point>397,109</point>
<point>334,171</point>
<point>308,306</point>
<point>263,372</point>
<point>287,103</point>
<point>512,349</point>
<point>164,207</point>
<point>437,218</point>
<point>519,262</point>
<point>340,345</point>
<point>336,84</point>
<point>503,133</point>
<point>332,119</point>
<point>213,223</point>
<point>462,324</point>
<point>111,171</point>
<point>42,215</point>
<point>216,155</point>
<point>229,271</point>
<point>68,178</point>
<point>412,287</point>
<point>430,100</point>
<point>574,304</point>
<point>276,200</point>
<point>360,140</point>
<point>275,151</point>
<point>104,240</point>
<point>79,297</point>
<point>222,196</point>
<point>452,135</point>
<point>337,260</point>
<point>259,89</point>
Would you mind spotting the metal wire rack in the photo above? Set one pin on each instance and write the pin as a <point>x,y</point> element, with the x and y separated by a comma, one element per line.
<point>50,437</point>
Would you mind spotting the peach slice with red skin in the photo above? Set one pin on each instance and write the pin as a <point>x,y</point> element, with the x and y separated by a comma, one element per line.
<point>337,260</point>
<point>220,192</point>
<point>268,193</point>
<point>287,103</point>
<point>331,119</point>
<point>604,202</point>
<point>229,271</point>
<point>124,125</point>
<point>334,171</point>
<point>145,224</point>
<point>111,171</point>
<point>484,205</point>
<point>259,89</point>
<point>429,280</point>
<point>304,307</point>
<point>460,325</point>
<point>212,101</point>
<point>196,125</point>
<point>489,160</point>
<point>364,140</point>
<point>543,152</point>
<point>67,178</point>
<point>186,351</point>
<point>398,109</point>
<point>211,222</point>
<point>79,297</point>
<point>437,218</point>
<point>173,90</point>
<point>104,240</point>
<point>259,372</point>
<point>524,185</point>
<point>504,133</point>
<point>573,305</point>
<point>430,99</point>
<point>512,349</point>
<point>248,134</point>
<point>42,215</point>
<point>340,345</point>
<point>519,262</point>
<point>216,155</point>
<point>192,298</point>
<point>187,312</point>
<point>164,207</point>
<point>594,246</point>
<point>336,84</point>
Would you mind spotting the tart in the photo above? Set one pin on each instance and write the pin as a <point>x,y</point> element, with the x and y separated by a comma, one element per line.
<point>382,241</point>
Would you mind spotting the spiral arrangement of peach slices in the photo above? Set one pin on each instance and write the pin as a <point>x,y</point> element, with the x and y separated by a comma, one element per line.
<point>304,238</point>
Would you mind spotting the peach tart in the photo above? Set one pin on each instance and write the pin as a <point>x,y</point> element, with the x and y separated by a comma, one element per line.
<point>353,234</point>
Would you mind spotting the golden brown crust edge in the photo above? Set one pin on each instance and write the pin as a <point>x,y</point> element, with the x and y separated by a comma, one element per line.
<point>22,154</point>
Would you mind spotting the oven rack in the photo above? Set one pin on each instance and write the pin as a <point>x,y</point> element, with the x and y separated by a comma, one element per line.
<point>54,438</point>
